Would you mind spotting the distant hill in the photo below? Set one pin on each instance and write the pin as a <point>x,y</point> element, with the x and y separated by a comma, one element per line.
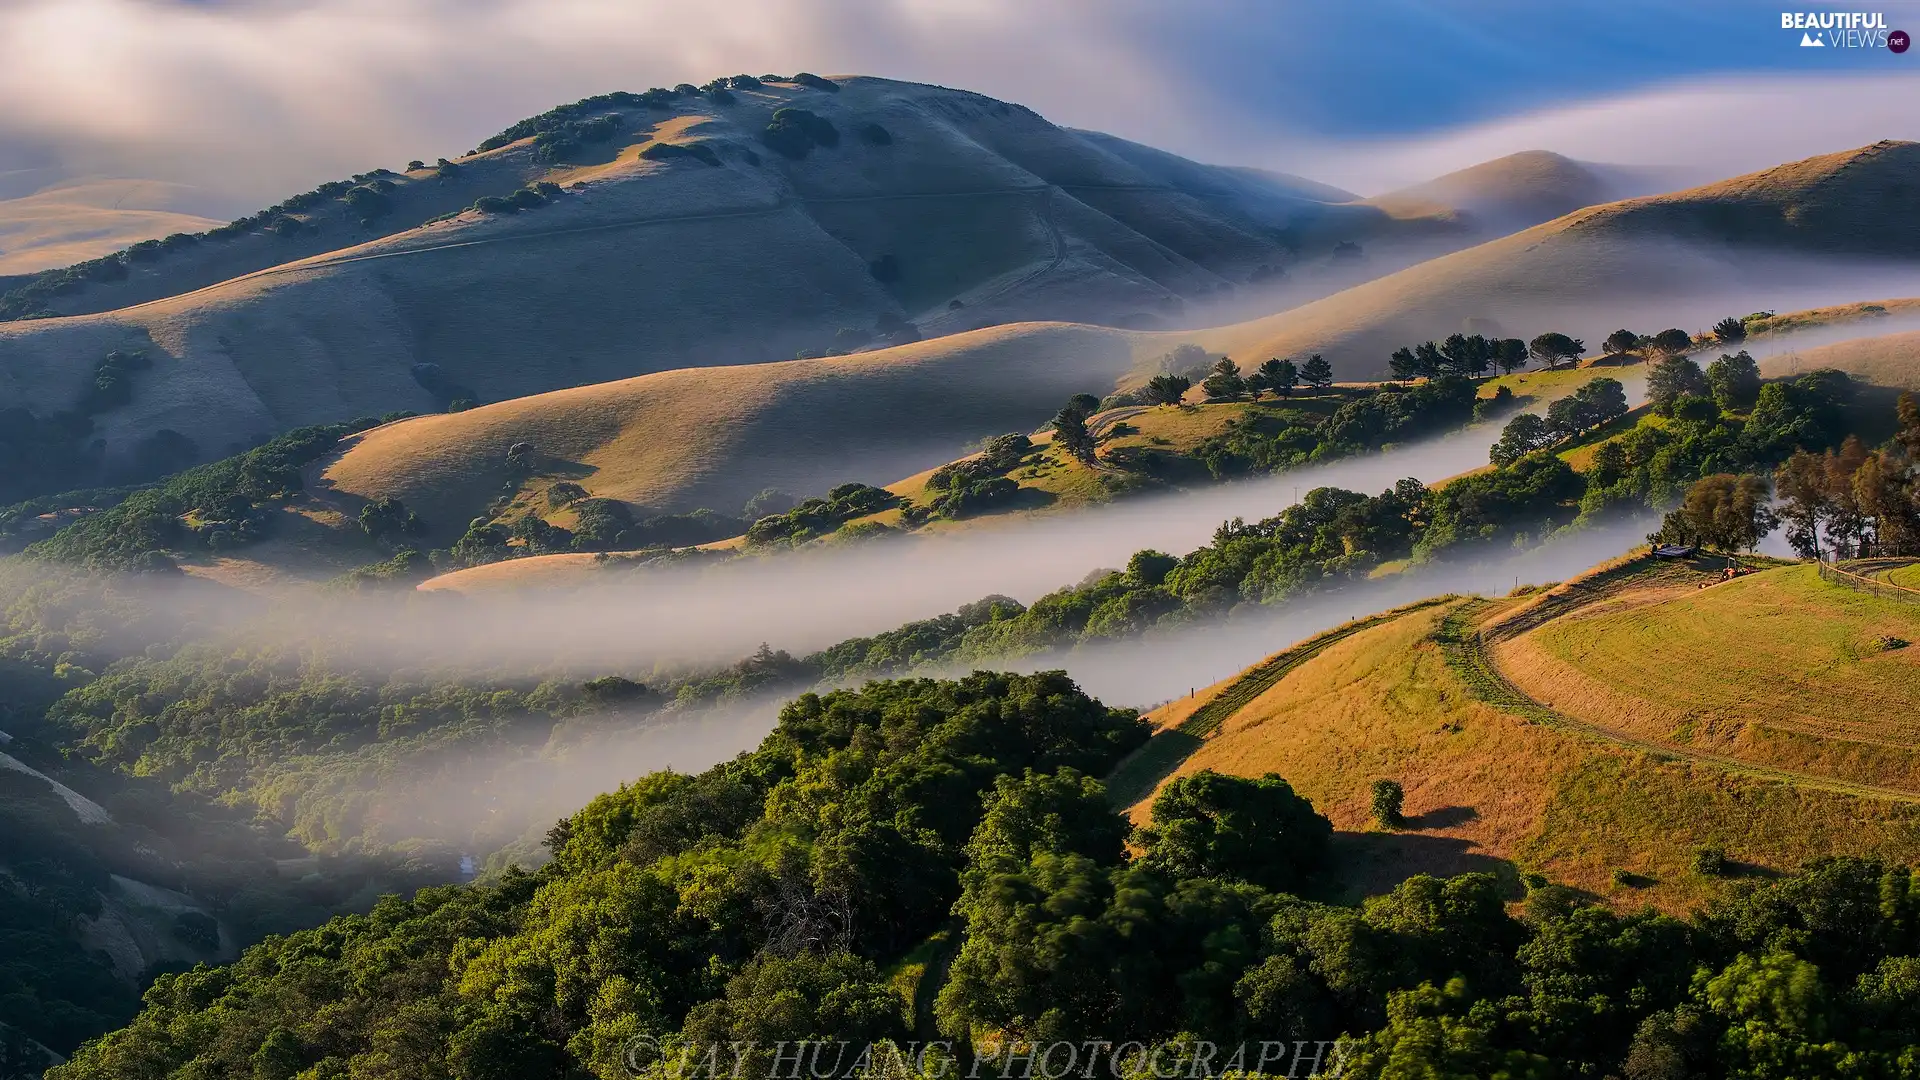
<point>1509,193</point>
<point>1599,733</point>
<point>1888,360</point>
<point>682,230</point>
<point>87,218</point>
<point>1674,257</point>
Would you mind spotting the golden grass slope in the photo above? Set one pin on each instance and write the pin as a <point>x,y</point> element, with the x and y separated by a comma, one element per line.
<point>1575,271</point>
<point>1815,684</point>
<point>714,437</point>
<point>1888,360</point>
<point>1515,191</point>
<point>84,219</point>
<point>1490,789</point>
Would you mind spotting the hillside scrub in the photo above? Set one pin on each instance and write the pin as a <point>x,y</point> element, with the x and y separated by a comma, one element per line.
<point>227,502</point>
<point>763,899</point>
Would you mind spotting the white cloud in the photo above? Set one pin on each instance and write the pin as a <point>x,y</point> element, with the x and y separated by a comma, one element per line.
<point>1680,135</point>
<point>260,98</point>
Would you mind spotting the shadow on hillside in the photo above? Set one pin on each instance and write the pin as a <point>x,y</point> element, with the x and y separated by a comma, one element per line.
<point>1370,863</point>
<point>553,468</point>
<point>1136,777</point>
<point>1444,817</point>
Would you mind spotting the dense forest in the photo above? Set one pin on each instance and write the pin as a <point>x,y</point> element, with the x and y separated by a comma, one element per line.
<point>819,887</point>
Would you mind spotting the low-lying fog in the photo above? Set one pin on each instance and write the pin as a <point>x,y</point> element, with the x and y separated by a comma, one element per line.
<point>632,622</point>
<point>490,800</point>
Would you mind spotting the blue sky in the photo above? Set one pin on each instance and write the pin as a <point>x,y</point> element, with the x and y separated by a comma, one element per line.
<point>264,96</point>
<point>1395,66</point>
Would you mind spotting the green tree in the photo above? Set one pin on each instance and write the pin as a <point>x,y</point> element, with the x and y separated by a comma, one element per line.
<point>1723,511</point>
<point>1150,567</point>
<point>1225,383</point>
<point>1316,372</point>
<point>1168,389</point>
<point>1671,342</point>
<point>1523,435</point>
<point>1730,330</point>
<point>1621,341</point>
<point>1254,830</point>
<point>1735,381</point>
<point>1279,376</point>
<point>1071,435</point>
<point>1388,799</point>
<point>1671,377</point>
<point>1554,349</point>
<point>1404,365</point>
<point>1510,355</point>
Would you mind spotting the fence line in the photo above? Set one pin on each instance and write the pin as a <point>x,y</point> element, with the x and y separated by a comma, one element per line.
<point>1876,586</point>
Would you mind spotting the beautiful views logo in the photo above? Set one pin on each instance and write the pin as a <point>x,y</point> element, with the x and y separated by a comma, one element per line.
<point>1840,29</point>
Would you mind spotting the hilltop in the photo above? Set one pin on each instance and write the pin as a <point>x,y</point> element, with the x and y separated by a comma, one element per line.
<point>1599,732</point>
<point>1505,194</point>
<point>1678,257</point>
<point>635,233</point>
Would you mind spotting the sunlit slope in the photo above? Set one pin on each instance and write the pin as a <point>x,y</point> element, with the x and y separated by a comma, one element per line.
<point>1780,669</point>
<point>1578,271</point>
<point>1515,191</point>
<point>1888,360</point>
<point>84,219</point>
<point>681,240</point>
<point>713,437</point>
<point>1597,790</point>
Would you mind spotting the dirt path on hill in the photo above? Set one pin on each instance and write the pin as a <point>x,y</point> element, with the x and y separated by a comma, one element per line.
<point>1466,647</point>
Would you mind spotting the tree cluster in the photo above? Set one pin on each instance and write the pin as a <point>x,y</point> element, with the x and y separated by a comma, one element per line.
<point>980,482</point>
<point>1854,502</point>
<point>1597,402</point>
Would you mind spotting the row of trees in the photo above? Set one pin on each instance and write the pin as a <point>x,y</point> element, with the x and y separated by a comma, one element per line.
<point>1278,376</point>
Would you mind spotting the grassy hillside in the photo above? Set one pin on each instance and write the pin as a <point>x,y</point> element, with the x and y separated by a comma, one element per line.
<point>1891,360</point>
<point>675,231</point>
<point>85,219</point>
<point>1659,738</point>
<point>1507,193</point>
<point>1660,254</point>
<point>713,437</point>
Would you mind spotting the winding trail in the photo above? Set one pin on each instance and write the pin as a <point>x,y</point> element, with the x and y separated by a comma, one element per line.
<point>1465,645</point>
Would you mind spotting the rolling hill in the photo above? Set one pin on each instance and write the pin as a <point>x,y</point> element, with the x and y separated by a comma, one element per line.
<point>679,230</point>
<point>1683,258</point>
<point>1599,732</point>
<point>1887,360</point>
<point>84,219</point>
<point>713,437</point>
<point>1505,194</point>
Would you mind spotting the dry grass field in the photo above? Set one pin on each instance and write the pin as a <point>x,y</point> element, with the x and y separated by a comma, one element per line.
<point>713,437</point>
<point>1492,787</point>
<point>1779,668</point>
<point>85,219</point>
<point>1515,191</point>
<point>1889,360</point>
